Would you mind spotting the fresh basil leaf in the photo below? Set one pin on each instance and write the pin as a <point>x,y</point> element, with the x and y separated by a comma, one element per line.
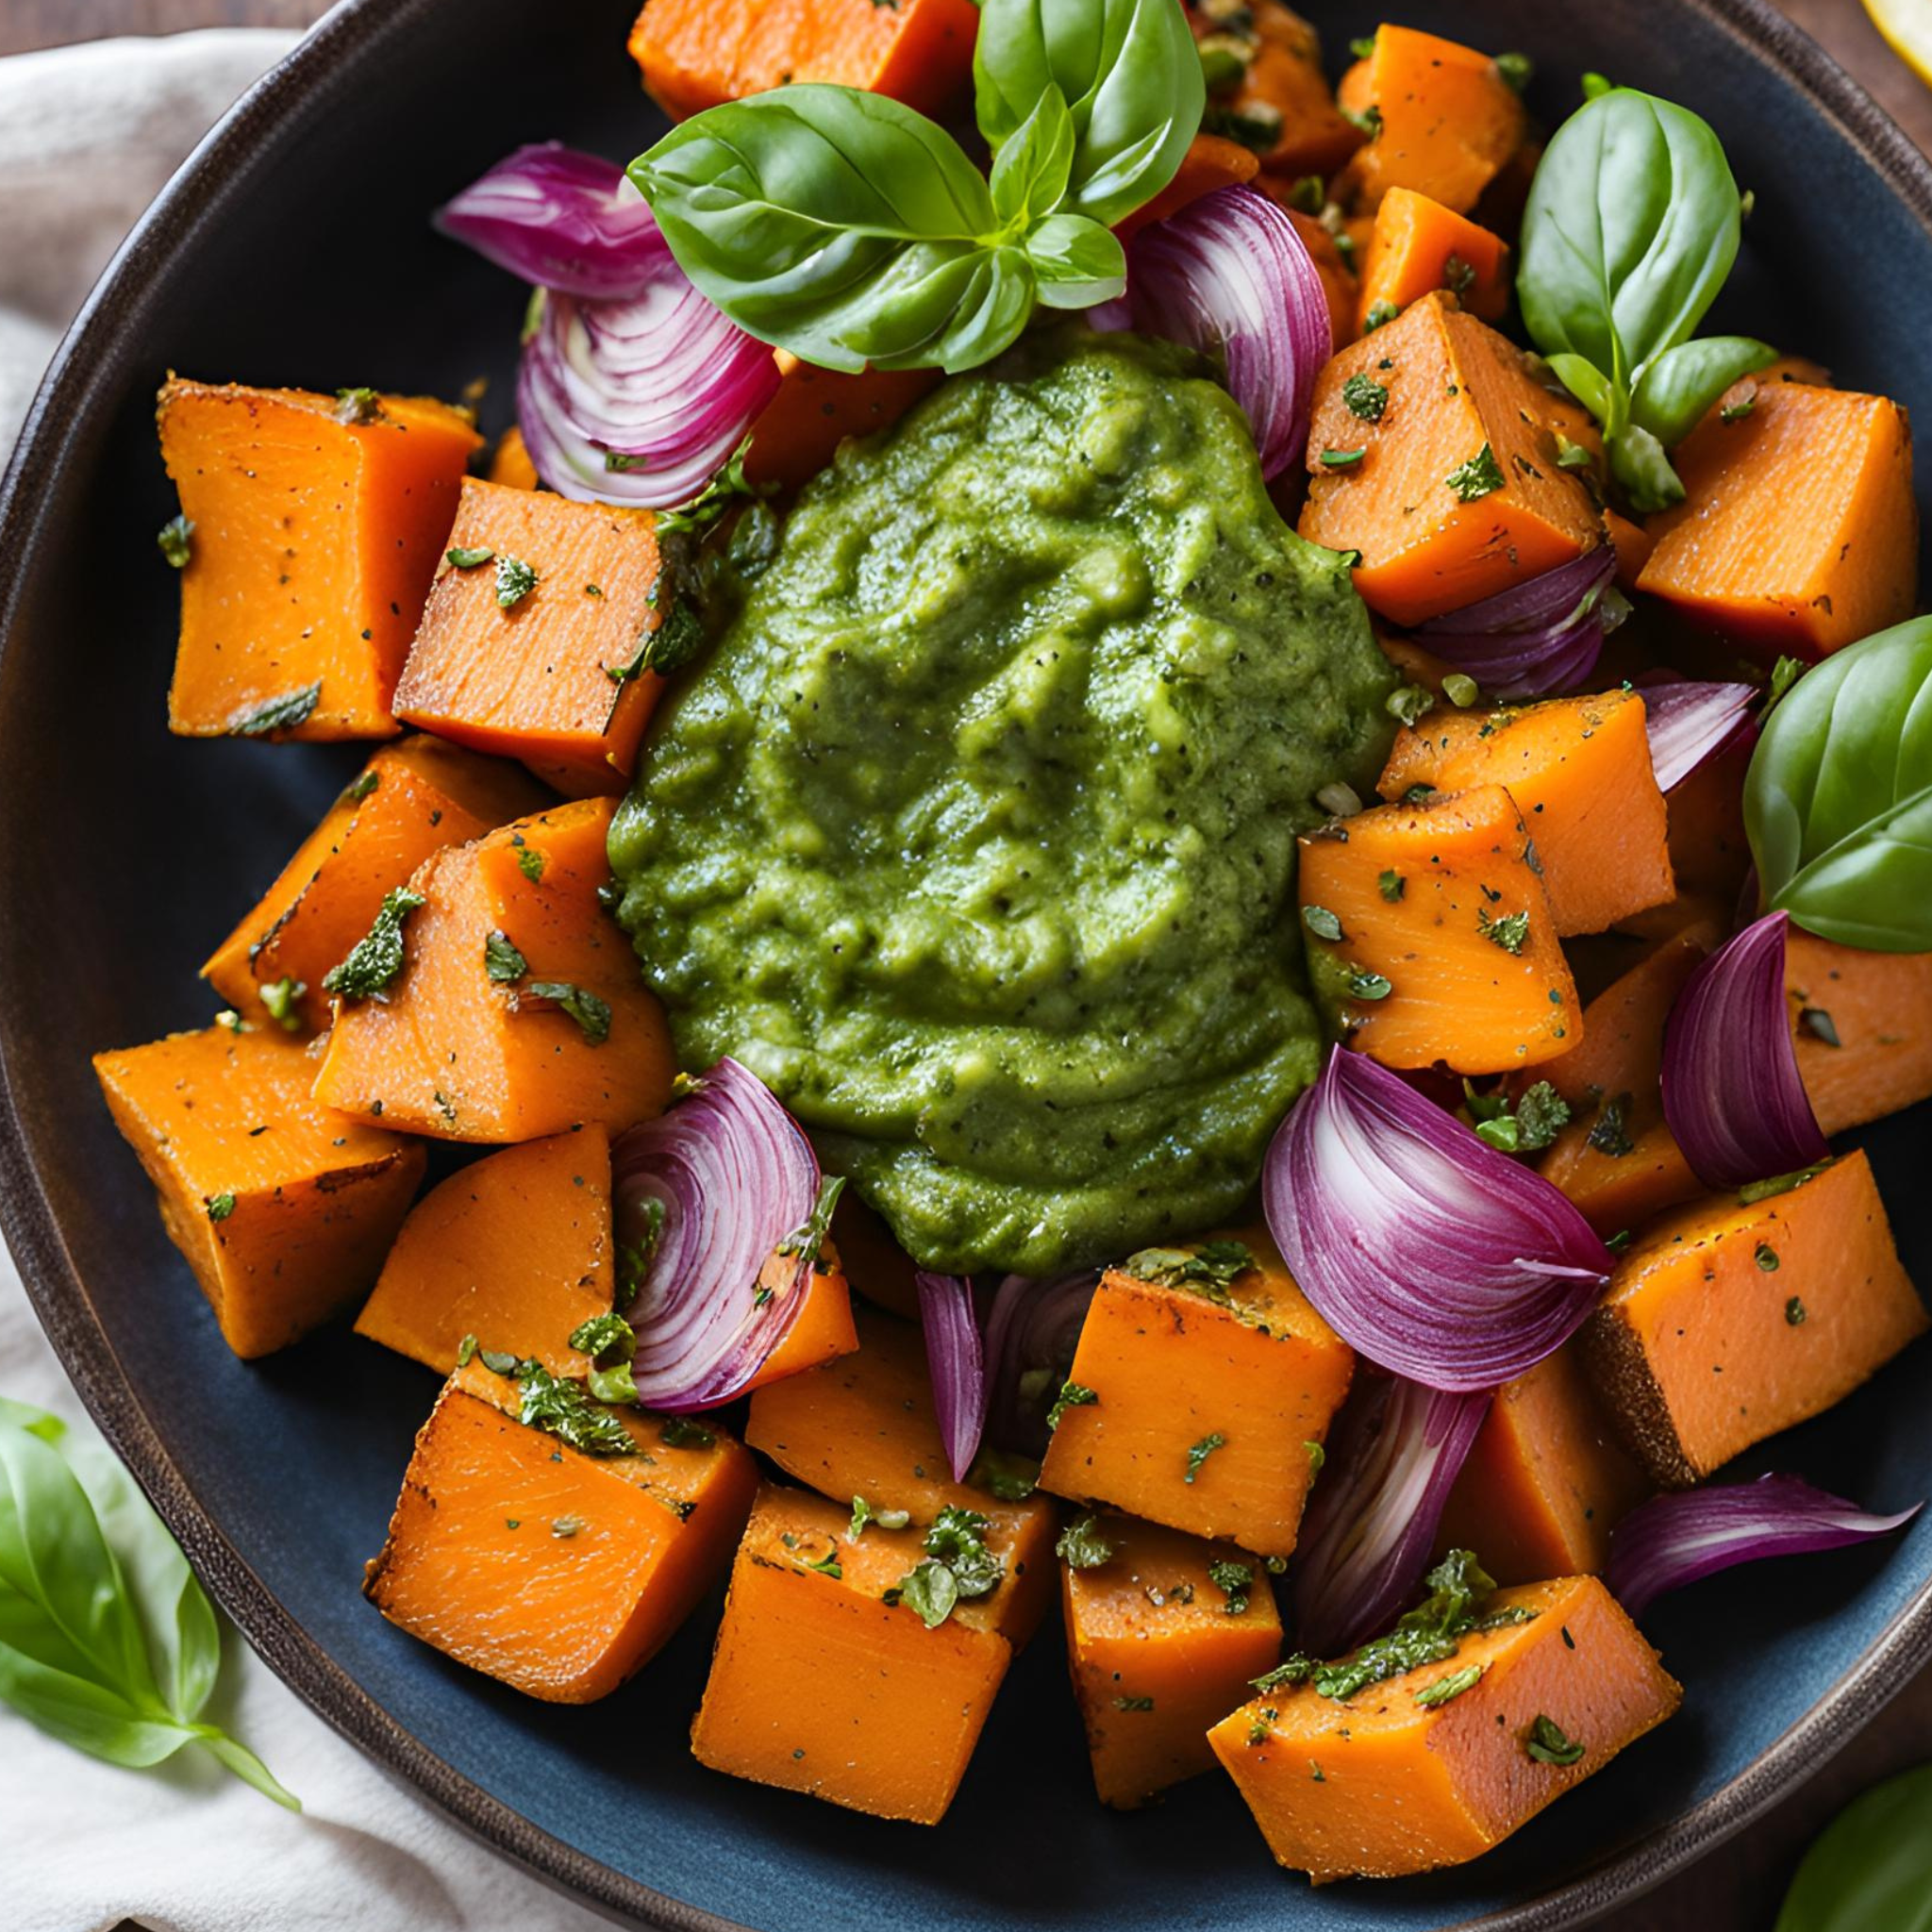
<point>1631,228</point>
<point>1677,388</point>
<point>1838,800</point>
<point>1130,77</point>
<point>1077,261</point>
<point>1030,173</point>
<point>841,226</point>
<point>1585,381</point>
<point>1871,1867</point>
<point>1640,464</point>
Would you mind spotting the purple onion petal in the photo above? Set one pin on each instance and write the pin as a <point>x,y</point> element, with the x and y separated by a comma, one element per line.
<point>1031,1332</point>
<point>734,1177</point>
<point>1691,723</point>
<point>954,1355</point>
<point>1671,1541</point>
<point>1392,1460</point>
<point>1425,1250</point>
<point>1537,639</point>
<point>562,219</point>
<point>1229,272</point>
<point>1733,1097</point>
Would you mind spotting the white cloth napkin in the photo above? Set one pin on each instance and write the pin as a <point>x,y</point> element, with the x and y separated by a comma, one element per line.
<point>87,135</point>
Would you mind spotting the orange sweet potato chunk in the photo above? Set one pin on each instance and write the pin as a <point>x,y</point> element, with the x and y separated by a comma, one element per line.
<point>556,1573</point>
<point>798,432</point>
<point>819,1685</point>
<point>1799,532</point>
<point>514,1249</point>
<point>1579,770</point>
<point>411,799</point>
<point>1211,161</point>
<point>1339,283</point>
<point>1457,493</point>
<point>1438,903</point>
<point>1159,1654</point>
<point>875,1263</point>
<point>446,1050</point>
<point>1418,246</point>
<point>1382,1785</point>
<point>510,464</point>
<point>1863,1026</point>
<point>822,1329</point>
<point>1726,1323</point>
<point>555,679</point>
<point>1285,86</point>
<point>283,1210</point>
<point>314,542</point>
<point>864,1426</point>
<point>1546,1479</point>
<point>697,52</point>
<point>1171,1370</point>
<point>1449,120</point>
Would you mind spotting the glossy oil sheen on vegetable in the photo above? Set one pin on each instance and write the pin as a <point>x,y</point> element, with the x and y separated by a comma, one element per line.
<point>974,835</point>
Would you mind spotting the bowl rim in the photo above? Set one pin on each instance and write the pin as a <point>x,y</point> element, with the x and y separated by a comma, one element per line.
<point>348,33</point>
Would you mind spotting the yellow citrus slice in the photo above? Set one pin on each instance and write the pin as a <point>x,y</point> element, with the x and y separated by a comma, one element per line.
<point>1908,24</point>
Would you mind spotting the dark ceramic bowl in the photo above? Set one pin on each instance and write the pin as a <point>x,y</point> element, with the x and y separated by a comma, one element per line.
<point>294,248</point>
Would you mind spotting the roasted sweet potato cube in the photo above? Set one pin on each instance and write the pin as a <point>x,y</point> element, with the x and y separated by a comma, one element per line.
<point>1390,1782</point>
<point>825,1681</point>
<point>1546,1479</point>
<point>696,54</point>
<point>535,643</point>
<point>474,1042</point>
<point>864,1426</point>
<point>1200,1405</point>
<point>1161,1647</point>
<point>798,432</point>
<point>317,525</point>
<point>411,799</point>
<point>283,1209</point>
<point>1284,87</point>
<point>1416,246</point>
<point>511,464</point>
<point>1430,935</point>
<point>1863,1026</point>
<point>822,1329</point>
<point>1728,1321</point>
<point>1452,492</point>
<point>1579,770</point>
<point>556,1572</point>
<point>1798,532</point>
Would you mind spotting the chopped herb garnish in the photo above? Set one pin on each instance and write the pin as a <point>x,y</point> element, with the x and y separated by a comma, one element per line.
<point>1573,456</point>
<point>1795,1313</point>
<point>531,862</point>
<point>1409,703</point>
<point>220,1207</point>
<point>1368,119</point>
<point>1234,1580</point>
<point>1393,885</point>
<point>1011,1478</point>
<point>1321,922</point>
<point>1454,1685</point>
<point>1523,1126</point>
<point>1307,196</point>
<point>863,1513</point>
<point>1754,1191</point>
<point>681,1432</point>
<point>502,962</point>
<point>1082,1546</point>
<point>1297,1668</point>
<point>466,1351</point>
<point>360,785</point>
<point>808,1238</point>
<point>1201,1451</point>
<point>1342,458</point>
<point>1458,1587</point>
<point>1820,1026</point>
<point>1736,412</point>
<point>1510,932</point>
<point>1209,1270</point>
<point>279,999</point>
<point>1458,276</point>
<point>1784,673</point>
<point>564,1527</point>
<point>515,580</point>
<point>376,958</point>
<point>712,501</point>
<point>1072,1395</point>
<point>463,558</point>
<point>930,1589</point>
<point>828,1565</point>
<point>1610,1133</point>
<point>358,406</point>
<point>958,1539</point>
<point>498,1361</point>
<point>565,1408</point>
<point>1516,70</point>
<point>1547,1744</point>
<point>1365,397</point>
<point>175,542</point>
<point>1133,1703</point>
<point>1767,1258</point>
<point>1461,690</point>
<point>1477,477</point>
<point>1317,1457</point>
<point>279,714</point>
<point>592,1013</point>
<point>606,1338</point>
<point>1381,311</point>
<point>1368,986</point>
<point>634,1259</point>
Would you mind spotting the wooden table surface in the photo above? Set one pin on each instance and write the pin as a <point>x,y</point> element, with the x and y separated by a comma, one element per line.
<point>1737,1888</point>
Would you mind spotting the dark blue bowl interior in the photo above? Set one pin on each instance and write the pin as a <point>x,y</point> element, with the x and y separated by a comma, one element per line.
<point>129,853</point>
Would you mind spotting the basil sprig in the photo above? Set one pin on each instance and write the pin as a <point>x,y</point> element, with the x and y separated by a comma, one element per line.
<point>851,230</point>
<point>1838,801</point>
<point>1631,229</point>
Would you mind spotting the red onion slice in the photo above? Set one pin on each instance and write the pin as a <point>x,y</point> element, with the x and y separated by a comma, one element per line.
<point>1392,1460</point>
<point>664,381</point>
<point>1690,722</point>
<point>1030,1337</point>
<point>710,1189</point>
<point>562,219</point>
<point>1424,1249</point>
<point>1733,1097</point>
<point>1229,272</point>
<point>1537,639</point>
<point>959,1367</point>
<point>1671,1541</point>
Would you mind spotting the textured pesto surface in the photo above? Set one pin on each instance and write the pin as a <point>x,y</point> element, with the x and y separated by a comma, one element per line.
<point>975,836</point>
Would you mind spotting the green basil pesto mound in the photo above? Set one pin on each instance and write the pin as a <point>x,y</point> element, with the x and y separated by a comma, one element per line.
<point>974,835</point>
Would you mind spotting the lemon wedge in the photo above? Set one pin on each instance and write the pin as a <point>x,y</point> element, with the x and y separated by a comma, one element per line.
<point>1907,25</point>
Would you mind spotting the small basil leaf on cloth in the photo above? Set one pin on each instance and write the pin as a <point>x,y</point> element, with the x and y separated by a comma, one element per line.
<point>1128,72</point>
<point>841,226</point>
<point>1838,800</point>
